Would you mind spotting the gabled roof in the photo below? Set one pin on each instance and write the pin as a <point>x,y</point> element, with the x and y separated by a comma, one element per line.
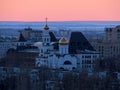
<point>63,41</point>
<point>52,37</point>
<point>78,42</point>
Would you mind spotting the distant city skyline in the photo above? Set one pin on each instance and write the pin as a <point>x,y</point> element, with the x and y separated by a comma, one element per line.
<point>59,10</point>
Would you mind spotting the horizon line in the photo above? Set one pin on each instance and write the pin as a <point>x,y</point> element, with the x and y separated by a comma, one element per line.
<point>62,21</point>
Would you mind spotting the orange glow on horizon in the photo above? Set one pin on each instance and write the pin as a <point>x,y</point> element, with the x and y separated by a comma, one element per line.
<point>59,10</point>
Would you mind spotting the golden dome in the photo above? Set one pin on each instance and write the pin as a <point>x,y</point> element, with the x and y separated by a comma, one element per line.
<point>46,27</point>
<point>63,41</point>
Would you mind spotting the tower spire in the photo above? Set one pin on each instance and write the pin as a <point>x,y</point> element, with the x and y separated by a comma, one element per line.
<point>46,20</point>
<point>46,26</point>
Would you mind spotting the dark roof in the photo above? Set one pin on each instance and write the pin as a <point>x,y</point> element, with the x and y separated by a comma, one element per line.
<point>52,37</point>
<point>78,42</point>
<point>11,50</point>
<point>19,48</point>
<point>56,46</point>
<point>28,29</point>
<point>21,38</point>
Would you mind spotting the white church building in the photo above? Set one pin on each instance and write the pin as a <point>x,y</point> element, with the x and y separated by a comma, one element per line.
<point>62,58</point>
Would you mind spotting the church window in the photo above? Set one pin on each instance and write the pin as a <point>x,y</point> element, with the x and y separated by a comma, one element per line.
<point>87,56</point>
<point>41,51</point>
<point>47,50</point>
<point>61,68</point>
<point>94,56</point>
<point>44,60</point>
<point>83,62</point>
<point>67,63</point>
<point>73,68</point>
<point>82,56</point>
<point>88,61</point>
<point>48,39</point>
<point>44,39</point>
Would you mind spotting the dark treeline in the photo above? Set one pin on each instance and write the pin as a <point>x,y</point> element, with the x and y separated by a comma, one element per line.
<point>69,81</point>
<point>111,64</point>
<point>47,79</point>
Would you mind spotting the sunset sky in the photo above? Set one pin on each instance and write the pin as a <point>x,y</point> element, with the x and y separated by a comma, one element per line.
<point>59,10</point>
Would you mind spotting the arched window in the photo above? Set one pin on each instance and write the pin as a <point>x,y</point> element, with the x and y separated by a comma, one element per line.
<point>47,39</point>
<point>41,50</point>
<point>73,68</point>
<point>61,68</point>
<point>67,63</point>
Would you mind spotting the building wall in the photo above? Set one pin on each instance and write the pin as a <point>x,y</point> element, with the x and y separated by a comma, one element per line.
<point>4,46</point>
<point>86,61</point>
<point>67,62</point>
<point>33,35</point>
<point>63,59</point>
<point>36,35</point>
<point>21,59</point>
<point>113,34</point>
<point>108,49</point>
<point>110,45</point>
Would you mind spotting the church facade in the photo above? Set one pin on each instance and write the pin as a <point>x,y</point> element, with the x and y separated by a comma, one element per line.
<point>62,58</point>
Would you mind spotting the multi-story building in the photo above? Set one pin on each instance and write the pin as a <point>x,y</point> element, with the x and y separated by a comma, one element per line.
<point>74,53</point>
<point>110,45</point>
<point>23,53</point>
<point>22,56</point>
<point>112,34</point>
<point>5,45</point>
<point>33,35</point>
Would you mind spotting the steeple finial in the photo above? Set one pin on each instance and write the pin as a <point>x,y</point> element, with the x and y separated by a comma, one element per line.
<point>46,26</point>
<point>46,20</point>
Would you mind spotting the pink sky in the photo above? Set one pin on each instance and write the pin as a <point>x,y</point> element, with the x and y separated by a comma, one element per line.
<point>59,10</point>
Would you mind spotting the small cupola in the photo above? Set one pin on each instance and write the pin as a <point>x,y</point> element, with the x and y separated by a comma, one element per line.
<point>63,41</point>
